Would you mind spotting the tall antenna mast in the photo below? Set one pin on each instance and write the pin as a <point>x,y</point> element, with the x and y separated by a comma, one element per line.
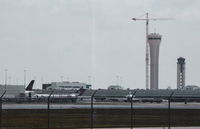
<point>147,44</point>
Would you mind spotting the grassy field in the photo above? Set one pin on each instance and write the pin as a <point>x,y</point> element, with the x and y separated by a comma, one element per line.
<point>80,118</point>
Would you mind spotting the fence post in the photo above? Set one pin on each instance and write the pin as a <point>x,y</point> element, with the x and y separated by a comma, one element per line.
<point>92,110</point>
<point>169,110</point>
<point>48,106</point>
<point>132,95</point>
<point>1,108</point>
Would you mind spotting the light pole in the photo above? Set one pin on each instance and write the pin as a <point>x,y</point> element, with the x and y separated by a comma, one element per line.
<point>6,70</point>
<point>61,78</point>
<point>9,80</point>
<point>117,80</point>
<point>89,79</point>
<point>25,78</point>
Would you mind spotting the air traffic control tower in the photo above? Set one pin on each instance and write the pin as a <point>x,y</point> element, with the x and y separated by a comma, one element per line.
<point>154,40</point>
<point>180,73</point>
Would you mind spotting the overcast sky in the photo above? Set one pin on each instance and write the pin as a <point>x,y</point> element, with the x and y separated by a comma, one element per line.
<point>70,40</point>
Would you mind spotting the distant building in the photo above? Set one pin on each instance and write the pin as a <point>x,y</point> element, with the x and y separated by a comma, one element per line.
<point>192,87</point>
<point>12,91</point>
<point>66,86</point>
<point>44,86</point>
<point>115,87</point>
<point>180,73</point>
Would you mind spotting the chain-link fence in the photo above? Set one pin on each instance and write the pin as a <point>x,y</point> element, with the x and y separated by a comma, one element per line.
<point>69,113</point>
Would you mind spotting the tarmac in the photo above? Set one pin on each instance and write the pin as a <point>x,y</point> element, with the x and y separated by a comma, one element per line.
<point>155,128</point>
<point>103,106</point>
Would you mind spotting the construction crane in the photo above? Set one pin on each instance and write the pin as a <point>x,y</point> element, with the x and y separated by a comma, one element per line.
<point>147,19</point>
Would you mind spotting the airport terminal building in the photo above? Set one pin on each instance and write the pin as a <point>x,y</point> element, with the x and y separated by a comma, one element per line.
<point>12,91</point>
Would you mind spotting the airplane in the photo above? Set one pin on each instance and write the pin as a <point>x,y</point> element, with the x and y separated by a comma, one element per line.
<point>30,86</point>
<point>28,91</point>
<point>55,96</point>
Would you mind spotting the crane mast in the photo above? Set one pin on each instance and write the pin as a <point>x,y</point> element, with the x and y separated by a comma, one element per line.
<point>147,53</point>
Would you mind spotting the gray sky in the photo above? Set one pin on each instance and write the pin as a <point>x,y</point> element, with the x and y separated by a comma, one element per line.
<point>80,38</point>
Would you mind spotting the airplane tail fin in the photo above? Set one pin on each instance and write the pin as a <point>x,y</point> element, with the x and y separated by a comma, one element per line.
<point>30,85</point>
